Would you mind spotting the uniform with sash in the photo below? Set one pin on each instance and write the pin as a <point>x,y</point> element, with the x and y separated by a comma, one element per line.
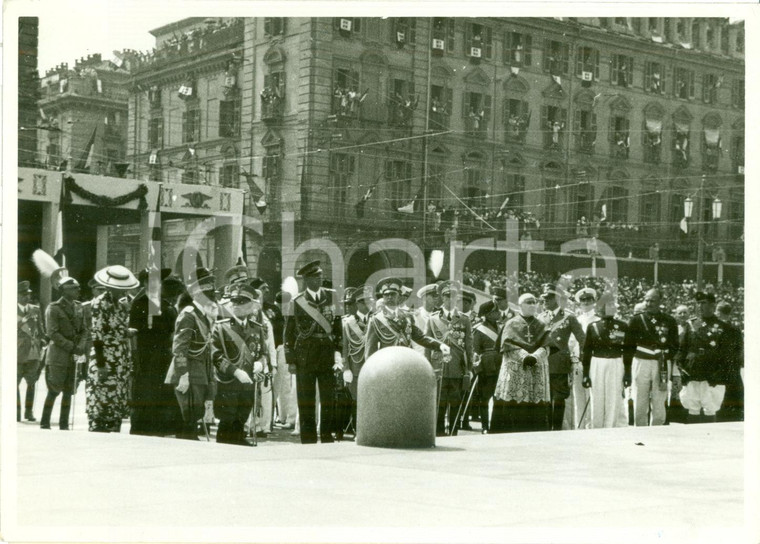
<point>236,345</point>
<point>653,341</point>
<point>484,338</point>
<point>560,324</point>
<point>454,329</point>
<point>192,354</point>
<point>606,361</point>
<point>312,337</point>
<point>389,327</point>
<point>709,351</point>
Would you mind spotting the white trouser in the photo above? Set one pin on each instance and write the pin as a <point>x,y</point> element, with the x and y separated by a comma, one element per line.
<point>576,403</point>
<point>284,394</point>
<point>264,417</point>
<point>607,389</point>
<point>646,378</point>
<point>699,395</point>
<point>622,415</point>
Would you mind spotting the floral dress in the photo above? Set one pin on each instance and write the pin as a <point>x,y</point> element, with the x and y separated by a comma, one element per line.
<point>108,400</point>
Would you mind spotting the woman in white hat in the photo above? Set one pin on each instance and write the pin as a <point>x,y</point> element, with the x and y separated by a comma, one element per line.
<point>110,369</point>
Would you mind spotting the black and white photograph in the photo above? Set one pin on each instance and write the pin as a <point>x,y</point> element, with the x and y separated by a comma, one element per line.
<point>356,272</point>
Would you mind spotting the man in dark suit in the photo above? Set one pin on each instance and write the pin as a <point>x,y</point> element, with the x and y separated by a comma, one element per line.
<point>487,358</point>
<point>30,339</point>
<point>313,344</point>
<point>64,321</point>
<point>560,323</point>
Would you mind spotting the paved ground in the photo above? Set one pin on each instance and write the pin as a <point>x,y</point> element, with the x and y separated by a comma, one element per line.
<point>645,484</point>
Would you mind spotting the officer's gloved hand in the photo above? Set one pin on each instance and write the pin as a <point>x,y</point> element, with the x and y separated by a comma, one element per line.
<point>292,369</point>
<point>348,376</point>
<point>242,376</point>
<point>586,382</point>
<point>445,350</point>
<point>184,383</point>
<point>338,361</point>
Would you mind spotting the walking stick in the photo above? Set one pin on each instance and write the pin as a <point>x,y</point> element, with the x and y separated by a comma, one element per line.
<point>74,396</point>
<point>455,428</point>
<point>580,421</point>
<point>253,411</point>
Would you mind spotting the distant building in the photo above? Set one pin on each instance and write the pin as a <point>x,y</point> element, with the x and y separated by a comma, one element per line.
<point>28,29</point>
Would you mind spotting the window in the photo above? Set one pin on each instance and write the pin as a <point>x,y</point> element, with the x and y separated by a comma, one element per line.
<point>681,144</point>
<point>443,34</point>
<point>696,36</point>
<point>711,149</point>
<point>737,94</point>
<point>516,120</point>
<point>653,25</point>
<point>274,26</point>
<point>478,41</point>
<point>622,70</point>
<point>649,207</point>
<point>229,118</point>
<point>477,112</point>
<point>621,21</point>
<point>553,120</point>
<point>404,30</point>
<point>551,200</point>
<point>436,179</point>
<point>710,85</point>
<point>515,190</point>
<point>271,166</point>
<point>273,96</point>
<point>587,63</point>
<point>53,151</point>
<point>683,83</point>
<point>556,58</point>
<point>652,140</point>
<point>398,174</point>
<point>402,101</point>
<point>191,125</point>
<point>440,107</point>
<point>347,26</point>
<point>342,167</point>
<point>517,49</point>
<point>740,41</point>
<point>709,37</point>
<point>190,176</point>
<point>156,132</point>
<point>345,92</point>
<point>616,199</point>
<point>154,97</point>
<point>229,175</point>
<point>654,77</point>
<point>681,30</point>
<point>620,138</point>
<point>737,154</point>
<point>585,130</point>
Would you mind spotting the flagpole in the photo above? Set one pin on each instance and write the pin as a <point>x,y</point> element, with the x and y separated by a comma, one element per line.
<point>425,145</point>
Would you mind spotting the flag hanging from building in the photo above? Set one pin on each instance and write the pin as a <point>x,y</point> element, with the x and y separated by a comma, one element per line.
<point>360,205</point>
<point>407,208</point>
<point>261,204</point>
<point>154,263</point>
<point>685,226</point>
<point>153,159</point>
<point>85,161</point>
<point>502,207</point>
<point>604,213</point>
<point>242,258</point>
<point>185,91</point>
<point>58,252</point>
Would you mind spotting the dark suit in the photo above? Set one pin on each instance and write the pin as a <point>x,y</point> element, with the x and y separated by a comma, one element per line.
<point>560,324</point>
<point>30,338</point>
<point>484,344</point>
<point>311,348</point>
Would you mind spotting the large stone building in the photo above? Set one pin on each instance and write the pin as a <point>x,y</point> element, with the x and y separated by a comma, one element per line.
<point>28,84</point>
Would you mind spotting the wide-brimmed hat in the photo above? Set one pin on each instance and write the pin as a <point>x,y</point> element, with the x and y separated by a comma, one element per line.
<point>24,288</point>
<point>116,277</point>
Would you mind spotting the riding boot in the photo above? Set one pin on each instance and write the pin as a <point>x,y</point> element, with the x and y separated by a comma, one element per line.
<point>29,404</point>
<point>63,422</point>
<point>47,410</point>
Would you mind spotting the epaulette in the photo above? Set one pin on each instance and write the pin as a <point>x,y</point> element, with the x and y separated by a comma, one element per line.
<point>224,320</point>
<point>328,290</point>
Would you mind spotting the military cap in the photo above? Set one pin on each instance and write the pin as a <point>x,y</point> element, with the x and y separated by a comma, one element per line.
<point>361,294</point>
<point>143,275</point>
<point>23,288</point>
<point>92,284</point>
<point>243,291</point>
<point>67,281</point>
<point>585,292</point>
<point>348,294</point>
<point>431,289</point>
<point>405,291</point>
<point>236,274</point>
<point>499,293</point>
<point>310,270</point>
<point>548,289</point>
<point>447,287</point>
<point>701,296</point>
<point>389,285</point>
<point>469,295</point>
<point>258,283</point>
<point>486,308</point>
<point>204,280</point>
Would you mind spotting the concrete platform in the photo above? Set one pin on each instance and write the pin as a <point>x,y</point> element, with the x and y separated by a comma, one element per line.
<point>636,484</point>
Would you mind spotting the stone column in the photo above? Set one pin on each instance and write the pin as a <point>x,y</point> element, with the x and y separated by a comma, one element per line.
<point>145,234</point>
<point>49,222</point>
<point>101,252</point>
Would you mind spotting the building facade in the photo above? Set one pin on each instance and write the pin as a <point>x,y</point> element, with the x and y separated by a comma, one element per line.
<point>28,89</point>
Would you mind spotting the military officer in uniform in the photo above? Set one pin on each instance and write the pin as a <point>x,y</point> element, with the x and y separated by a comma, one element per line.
<point>451,327</point>
<point>487,359</point>
<point>313,344</point>
<point>30,340</point>
<point>430,303</point>
<point>653,339</point>
<point>468,305</point>
<point>68,333</point>
<point>560,323</point>
<point>585,299</point>
<point>606,362</point>
<point>392,326</point>
<point>354,342</point>
<point>502,304</point>
<point>239,354</point>
<point>709,350</point>
<point>191,371</point>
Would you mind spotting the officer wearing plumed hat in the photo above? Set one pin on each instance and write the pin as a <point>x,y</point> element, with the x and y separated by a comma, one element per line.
<point>65,326</point>
<point>313,345</point>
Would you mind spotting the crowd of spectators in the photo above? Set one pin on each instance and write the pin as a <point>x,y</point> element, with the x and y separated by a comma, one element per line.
<point>630,291</point>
